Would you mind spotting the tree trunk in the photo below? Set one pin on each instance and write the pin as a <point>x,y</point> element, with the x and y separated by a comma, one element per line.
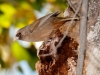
<point>63,60</point>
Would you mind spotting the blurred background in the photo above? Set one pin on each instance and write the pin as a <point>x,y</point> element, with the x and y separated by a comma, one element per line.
<point>19,57</point>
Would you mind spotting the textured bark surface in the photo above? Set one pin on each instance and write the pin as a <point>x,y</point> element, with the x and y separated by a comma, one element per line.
<point>64,61</point>
<point>92,61</point>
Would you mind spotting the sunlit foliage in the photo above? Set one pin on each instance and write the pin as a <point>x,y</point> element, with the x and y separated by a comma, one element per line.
<point>16,14</point>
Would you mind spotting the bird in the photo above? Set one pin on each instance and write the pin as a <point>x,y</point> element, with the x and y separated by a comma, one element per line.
<point>42,28</point>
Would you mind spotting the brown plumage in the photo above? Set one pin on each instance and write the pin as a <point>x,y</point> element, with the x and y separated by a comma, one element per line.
<point>40,29</point>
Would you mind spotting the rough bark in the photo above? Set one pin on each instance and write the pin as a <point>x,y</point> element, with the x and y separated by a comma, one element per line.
<point>64,61</point>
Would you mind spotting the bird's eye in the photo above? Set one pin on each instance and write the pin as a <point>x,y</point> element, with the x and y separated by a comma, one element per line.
<point>19,35</point>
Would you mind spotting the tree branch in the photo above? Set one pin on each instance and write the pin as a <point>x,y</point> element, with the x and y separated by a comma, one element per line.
<point>83,31</point>
<point>69,26</point>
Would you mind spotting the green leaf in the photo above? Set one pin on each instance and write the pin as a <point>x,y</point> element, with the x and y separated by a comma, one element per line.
<point>6,17</point>
<point>19,52</point>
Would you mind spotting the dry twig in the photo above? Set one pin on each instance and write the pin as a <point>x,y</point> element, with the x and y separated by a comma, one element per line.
<point>69,26</point>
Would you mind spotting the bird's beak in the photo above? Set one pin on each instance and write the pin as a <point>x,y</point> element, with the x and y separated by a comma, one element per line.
<point>15,38</point>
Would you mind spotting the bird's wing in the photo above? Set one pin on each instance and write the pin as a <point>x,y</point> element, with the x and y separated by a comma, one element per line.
<point>42,20</point>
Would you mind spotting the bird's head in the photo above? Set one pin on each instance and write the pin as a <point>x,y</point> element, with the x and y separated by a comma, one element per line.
<point>22,34</point>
